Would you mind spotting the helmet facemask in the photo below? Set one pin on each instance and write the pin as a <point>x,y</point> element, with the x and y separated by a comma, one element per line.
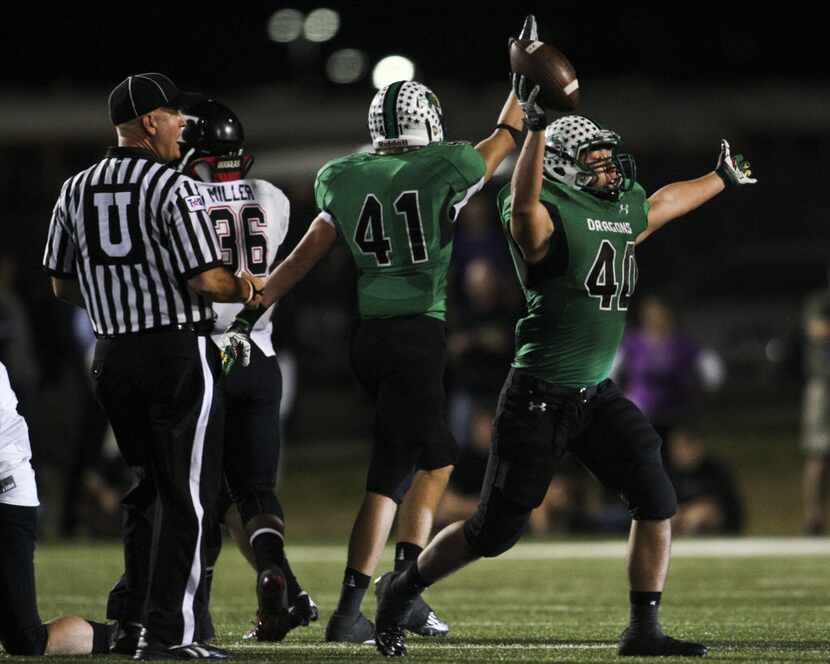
<point>405,115</point>
<point>213,144</point>
<point>569,140</point>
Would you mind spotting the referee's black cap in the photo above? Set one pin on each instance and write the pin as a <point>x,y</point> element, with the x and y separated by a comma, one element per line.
<point>141,93</point>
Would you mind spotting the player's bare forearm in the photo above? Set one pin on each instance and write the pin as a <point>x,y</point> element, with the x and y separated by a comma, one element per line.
<point>315,244</point>
<point>679,198</point>
<point>68,290</point>
<point>220,285</point>
<point>530,223</point>
<point>502,141</point>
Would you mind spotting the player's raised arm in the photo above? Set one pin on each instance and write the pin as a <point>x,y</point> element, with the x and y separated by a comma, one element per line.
<point>530,223</point>
<point>507,135</point>
<point>315,244</point>
<point>678,198</point>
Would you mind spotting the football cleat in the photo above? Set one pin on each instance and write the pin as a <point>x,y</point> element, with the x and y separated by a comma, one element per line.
<point>273,619</point>
<point>346,628</point>
<point>391,642</point>
<point>149,649</point>
<point>125,637</point>
<point>303,611</point>
<point>657,644</point>
<point>421,619</point>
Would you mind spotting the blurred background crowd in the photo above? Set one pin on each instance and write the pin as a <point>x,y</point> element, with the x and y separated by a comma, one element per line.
<point>728,344</point>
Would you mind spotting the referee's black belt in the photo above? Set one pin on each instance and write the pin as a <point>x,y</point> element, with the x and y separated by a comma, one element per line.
<point>540,386</point>
<point>204,327</point>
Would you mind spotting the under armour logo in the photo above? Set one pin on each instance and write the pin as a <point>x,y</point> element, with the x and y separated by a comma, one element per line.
<point>537,406</point>
<point>623,208</point>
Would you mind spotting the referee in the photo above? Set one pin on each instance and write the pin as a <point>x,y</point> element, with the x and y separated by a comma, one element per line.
<point>130,241</point>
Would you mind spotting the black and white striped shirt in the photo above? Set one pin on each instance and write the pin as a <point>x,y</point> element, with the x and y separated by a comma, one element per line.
<point>133,231</point>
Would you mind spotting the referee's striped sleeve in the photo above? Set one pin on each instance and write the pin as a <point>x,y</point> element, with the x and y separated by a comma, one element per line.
<point>193,238</point>
<point>59,255</point>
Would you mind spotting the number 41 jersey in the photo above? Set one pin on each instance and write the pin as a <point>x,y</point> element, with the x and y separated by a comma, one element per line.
<point>251,220</point>
<point>396,214</point>
<point>578,295</point>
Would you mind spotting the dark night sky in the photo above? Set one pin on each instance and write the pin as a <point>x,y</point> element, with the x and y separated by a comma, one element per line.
<point>199,45</point>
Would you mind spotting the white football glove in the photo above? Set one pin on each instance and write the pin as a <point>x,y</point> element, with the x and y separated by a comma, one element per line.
<point>735,170</point>
<point>236,345</point>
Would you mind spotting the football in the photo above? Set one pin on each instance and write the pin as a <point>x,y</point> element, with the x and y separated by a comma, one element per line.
<point>550,69</point>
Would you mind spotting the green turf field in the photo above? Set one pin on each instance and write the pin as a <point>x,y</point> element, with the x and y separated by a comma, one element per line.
<point>750,600</point>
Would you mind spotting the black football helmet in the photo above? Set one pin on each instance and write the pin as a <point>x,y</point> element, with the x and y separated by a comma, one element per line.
<point>213,143</point>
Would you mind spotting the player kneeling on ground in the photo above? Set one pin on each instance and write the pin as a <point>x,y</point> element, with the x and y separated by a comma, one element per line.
<point>21,630</point>
<point>573,214</point>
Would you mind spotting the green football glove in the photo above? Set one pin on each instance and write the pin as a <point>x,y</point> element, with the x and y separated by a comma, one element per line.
<point>735,170</point>
<point>236,345</point>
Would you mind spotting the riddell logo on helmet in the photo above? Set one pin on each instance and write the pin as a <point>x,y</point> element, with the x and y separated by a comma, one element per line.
<point>229,163</point>
<point>394,142</point>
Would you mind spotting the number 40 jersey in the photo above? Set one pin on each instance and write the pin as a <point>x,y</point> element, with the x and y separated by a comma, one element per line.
<point>396,214</point>
<point>251,221</point>
<point>578,295</point>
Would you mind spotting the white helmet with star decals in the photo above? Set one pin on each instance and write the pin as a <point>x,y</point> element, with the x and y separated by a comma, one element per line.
<point>567,141</point>
<point>404,115</point>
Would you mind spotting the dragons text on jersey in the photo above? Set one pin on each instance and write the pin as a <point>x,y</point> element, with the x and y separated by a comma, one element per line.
<point>578,295</point>
<point>133,231</point>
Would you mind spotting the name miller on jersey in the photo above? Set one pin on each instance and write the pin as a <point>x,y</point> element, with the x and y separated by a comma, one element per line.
<point>601,226</point>
<point>229,192</point>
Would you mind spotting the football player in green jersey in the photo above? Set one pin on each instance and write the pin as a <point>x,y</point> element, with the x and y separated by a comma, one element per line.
<point>395,209</point>
<point>573,214</point>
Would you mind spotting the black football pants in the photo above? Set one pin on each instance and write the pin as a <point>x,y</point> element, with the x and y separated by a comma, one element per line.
<point>160,393</point>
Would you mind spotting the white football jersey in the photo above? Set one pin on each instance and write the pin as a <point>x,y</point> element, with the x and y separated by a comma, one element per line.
<point>251,220</point>
<point>17,479</point>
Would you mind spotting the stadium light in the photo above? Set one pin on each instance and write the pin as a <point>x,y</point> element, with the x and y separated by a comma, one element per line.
<point>321,25</point>
<point>393,68</point>
<point>285,25</point>
<point>346,65</point>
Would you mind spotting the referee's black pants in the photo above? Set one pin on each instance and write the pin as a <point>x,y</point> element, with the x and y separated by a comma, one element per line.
<point>160,392</point>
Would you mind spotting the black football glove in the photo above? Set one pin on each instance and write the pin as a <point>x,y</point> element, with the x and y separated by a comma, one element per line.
<point>734,171</point>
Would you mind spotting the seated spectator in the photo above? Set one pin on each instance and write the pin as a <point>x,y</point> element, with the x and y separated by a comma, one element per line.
<point>662,370</point>
<point>707,496</point>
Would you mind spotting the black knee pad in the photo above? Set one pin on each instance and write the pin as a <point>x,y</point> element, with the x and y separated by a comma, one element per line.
<point>651,495</point>
<point>258,501</point>
<point>496,525</point>
<point>29,641</point>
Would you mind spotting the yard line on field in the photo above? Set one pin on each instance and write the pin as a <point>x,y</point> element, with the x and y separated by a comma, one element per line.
<point>738,547</point>
<point>432,645</point>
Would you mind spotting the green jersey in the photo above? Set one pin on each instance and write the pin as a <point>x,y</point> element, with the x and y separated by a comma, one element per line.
<point>577,296</point>
<point>396,214</point>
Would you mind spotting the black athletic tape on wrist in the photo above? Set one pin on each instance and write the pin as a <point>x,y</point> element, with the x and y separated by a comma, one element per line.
<point>516,134</point>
